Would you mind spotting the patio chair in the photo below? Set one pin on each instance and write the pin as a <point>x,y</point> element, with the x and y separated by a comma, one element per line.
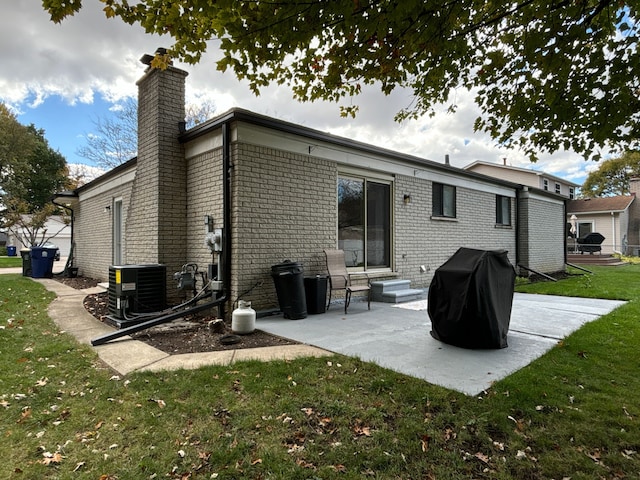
<point>339,278</point>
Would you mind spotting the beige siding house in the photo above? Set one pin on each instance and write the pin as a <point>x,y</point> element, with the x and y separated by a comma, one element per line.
<point>276,191</point>
<point>615,218</point>
<point>525,176</point>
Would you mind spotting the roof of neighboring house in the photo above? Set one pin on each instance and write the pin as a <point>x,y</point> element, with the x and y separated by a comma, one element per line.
<point>599,205</point>
<point>529,171</point>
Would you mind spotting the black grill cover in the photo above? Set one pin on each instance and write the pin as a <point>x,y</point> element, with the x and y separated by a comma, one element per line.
<point>470,299</point>
<point>593,238</point>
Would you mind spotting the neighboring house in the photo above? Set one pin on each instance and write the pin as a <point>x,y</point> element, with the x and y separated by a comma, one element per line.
<point>616,218</point>
<point>525,176</point>
<point>283,191</point>
<point>56,230</point>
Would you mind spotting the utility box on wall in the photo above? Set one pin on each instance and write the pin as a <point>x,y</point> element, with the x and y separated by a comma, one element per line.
<point>137,289</point>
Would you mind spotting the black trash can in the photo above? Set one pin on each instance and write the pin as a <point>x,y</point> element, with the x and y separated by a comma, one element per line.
<point>315,289</point>
<point>289,281</point>
<point>25,253</point>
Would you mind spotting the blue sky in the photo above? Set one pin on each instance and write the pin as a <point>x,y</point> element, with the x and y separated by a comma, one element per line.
<point>66,125</point>
<point>62,77</point>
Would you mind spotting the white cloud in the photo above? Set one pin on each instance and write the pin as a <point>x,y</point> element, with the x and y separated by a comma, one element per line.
<point>88,55</point>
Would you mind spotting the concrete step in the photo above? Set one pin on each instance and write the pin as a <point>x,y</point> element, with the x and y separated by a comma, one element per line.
<point>402,296</point>
<point>382,286</point>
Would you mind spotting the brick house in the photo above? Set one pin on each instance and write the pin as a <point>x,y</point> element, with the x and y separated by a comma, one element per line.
<point>283,191</point>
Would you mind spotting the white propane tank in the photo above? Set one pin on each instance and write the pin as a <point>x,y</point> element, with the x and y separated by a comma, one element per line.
<point>243,318</point>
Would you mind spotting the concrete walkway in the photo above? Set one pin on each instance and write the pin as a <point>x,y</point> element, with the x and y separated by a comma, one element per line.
<point>394,337</point>
<point>126,355</point>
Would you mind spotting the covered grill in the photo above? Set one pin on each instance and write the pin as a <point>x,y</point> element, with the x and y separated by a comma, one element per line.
<point>470,299</point>
<point>590,243</point>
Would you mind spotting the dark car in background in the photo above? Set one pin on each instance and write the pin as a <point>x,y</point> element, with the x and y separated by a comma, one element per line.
<point>51,245</point>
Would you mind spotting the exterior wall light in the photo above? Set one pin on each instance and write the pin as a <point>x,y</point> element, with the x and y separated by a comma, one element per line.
<point>107,209</point>
<point>407,199</point>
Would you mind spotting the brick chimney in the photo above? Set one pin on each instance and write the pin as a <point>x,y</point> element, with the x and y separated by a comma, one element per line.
<point>156,223</point>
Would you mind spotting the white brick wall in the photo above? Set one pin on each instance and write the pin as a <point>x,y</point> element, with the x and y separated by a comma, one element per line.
<point>421,240</point>
<point>93,231</point>
<point>542,240</point>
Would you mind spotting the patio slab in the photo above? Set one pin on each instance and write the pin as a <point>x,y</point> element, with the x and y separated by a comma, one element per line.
<point>398,337</point>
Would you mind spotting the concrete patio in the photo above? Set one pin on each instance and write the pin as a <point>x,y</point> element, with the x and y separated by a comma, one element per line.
<point>398,337</point>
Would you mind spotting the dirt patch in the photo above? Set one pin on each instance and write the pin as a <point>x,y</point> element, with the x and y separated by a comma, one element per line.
<point>193,334</point>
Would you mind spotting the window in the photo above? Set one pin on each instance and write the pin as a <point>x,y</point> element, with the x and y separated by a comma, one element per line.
<point>557,188</point>
<point>572,193</point>
<point>584,229</point>
<point>364,222</point>
<point>545,184</point>
<point>444,201</point>
<point>503,210</point>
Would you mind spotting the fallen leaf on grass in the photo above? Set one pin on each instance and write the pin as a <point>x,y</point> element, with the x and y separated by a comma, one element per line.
<point>50,458</point>
<point>26,413</point>
<point>482,457</point>
<point>424,442</point>
<point>305,464</point>
<point>362,430</point>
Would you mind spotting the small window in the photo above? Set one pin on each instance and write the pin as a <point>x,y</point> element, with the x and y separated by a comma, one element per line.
<point>557,188</point>
<point>503,210</point>
<point>545,184</point>
<point>572,193</point>
<point>444,201</point>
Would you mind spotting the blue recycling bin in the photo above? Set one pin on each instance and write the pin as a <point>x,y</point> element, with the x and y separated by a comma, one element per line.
<point>11,251</point>
<point>42,262</point>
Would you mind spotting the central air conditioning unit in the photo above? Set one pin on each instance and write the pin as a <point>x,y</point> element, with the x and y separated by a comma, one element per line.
<point>136,289</point>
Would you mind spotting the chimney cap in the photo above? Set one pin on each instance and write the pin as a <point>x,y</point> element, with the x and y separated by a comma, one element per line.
<point>146,59</point>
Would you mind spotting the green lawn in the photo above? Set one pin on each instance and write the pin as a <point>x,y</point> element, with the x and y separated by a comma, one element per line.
<point>573,413</point>
<point>7,262</point>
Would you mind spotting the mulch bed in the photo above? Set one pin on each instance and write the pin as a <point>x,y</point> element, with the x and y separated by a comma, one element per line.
<point>193,334</point>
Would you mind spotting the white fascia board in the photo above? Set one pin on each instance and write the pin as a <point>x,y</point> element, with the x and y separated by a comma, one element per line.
<point>532,194</point>
<point>205,143</point>
<point>601,212</point>
<point>115,182</point>
<point>345,156</point>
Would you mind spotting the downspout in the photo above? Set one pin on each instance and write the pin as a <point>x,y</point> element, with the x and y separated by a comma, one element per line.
<point>517,220</point>
<point>566,246</point>
<point>613,230</point>
<point>226,205</point>
<point>69,263</point>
